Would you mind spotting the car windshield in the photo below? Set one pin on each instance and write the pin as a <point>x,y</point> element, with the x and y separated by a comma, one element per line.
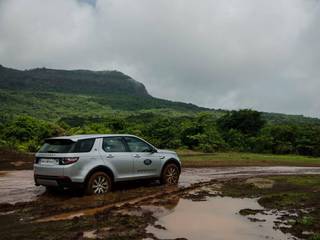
<point>66,146</point>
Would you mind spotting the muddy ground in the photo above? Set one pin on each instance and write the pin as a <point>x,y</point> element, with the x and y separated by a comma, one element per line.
<point>14,160</point>
<point>208,203</point>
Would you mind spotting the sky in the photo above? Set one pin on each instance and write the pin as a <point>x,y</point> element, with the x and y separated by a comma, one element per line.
<point>257,54</point>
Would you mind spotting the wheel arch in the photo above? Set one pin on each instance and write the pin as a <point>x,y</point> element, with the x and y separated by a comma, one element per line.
<point>169,161</point>
<point>99,169</point>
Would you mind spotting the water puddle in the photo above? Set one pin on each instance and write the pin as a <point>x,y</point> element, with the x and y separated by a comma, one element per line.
<point>18,186</point>
<point>216,218</point>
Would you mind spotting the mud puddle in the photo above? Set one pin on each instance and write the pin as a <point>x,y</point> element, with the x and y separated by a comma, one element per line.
<point>216,218</point>
<point>202,210</point>
<point>18,186</point>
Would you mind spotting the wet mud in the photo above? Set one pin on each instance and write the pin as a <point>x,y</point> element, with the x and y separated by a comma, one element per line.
<point>14,160</point>
<point>222,203</point>
<point>18,186</point>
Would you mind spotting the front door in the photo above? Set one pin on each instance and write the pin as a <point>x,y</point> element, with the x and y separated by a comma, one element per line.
<point>146,162</point>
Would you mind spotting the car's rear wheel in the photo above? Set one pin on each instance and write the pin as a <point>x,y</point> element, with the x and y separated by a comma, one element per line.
<point>170,174</point>
<point>99,183</point>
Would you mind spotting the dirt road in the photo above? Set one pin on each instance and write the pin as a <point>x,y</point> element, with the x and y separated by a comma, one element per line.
<point>141,210</point>
<point>18,186</point>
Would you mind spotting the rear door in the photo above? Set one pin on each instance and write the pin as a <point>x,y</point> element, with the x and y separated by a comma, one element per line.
<point>146,162</point>
<point>116,155</point>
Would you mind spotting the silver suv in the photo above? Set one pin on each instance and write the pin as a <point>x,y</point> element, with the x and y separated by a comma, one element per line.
<point>95,162</point>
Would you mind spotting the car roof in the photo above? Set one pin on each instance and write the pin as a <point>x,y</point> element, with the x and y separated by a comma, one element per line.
<point>86,136</point>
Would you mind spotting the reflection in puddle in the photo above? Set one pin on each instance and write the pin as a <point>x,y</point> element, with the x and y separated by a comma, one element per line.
<point>216,218</point>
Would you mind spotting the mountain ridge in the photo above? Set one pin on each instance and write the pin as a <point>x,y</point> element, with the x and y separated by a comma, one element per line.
<point>52,92</point>
<point>70,81</point>
<point>45,86</point>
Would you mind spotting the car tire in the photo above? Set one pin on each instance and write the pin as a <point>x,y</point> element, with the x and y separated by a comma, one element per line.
<point>98,183</point>
<point>170,174</point>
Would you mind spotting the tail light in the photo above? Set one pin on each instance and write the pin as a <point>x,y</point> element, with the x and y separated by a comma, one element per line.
<point>68,160</point>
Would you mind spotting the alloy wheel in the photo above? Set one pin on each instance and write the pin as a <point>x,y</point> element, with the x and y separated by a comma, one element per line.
<point>100,185</point>
<point>172,175</point>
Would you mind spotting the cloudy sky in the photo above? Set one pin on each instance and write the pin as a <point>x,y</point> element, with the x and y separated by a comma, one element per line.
<point>228,54</point>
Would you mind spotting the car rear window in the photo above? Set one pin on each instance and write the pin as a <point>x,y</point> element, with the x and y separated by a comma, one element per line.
<point>67,146</point>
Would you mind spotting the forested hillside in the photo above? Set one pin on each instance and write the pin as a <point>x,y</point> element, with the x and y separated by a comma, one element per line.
<point>68,90</point>
<point>74,81</point>
<point>40,103</point>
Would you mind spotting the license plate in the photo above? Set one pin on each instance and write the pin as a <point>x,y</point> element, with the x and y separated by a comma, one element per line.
<point>49,161</point>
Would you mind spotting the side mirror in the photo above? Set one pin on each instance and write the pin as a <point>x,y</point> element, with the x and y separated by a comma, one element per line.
<point>153,150</point>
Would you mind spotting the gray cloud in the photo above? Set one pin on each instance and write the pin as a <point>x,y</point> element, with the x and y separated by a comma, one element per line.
<point>215,53</point>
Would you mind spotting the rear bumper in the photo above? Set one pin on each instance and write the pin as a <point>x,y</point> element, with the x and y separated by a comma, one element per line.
<point>56,181</point>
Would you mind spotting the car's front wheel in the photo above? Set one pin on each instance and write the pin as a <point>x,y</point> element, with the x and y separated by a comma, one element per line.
<point>170,174</point>
<point>99,183</point>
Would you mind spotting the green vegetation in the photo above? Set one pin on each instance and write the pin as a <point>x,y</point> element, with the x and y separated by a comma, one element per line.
<point>315,237</point>
<point>198,132</point>
<point>225,159</point>
<point>40,103</point>
<point>103,89</point>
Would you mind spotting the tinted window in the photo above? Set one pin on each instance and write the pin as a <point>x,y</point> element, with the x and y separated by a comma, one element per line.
<point>113,144</point>
<point>137,145</point>
<point>67,146</point>
<point>57,146</point>
<point>84,145</point>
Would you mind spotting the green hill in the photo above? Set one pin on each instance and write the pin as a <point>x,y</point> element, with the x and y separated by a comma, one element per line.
<point>74,81</point>
<point>53,94</point>
<point>49,93</point>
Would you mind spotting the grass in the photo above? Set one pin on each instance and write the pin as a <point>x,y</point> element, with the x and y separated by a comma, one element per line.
<point>225,159</point>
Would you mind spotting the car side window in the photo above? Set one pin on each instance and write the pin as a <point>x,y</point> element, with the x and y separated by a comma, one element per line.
<point>137,145</point>
<point>85,145</point>
<point>113,144</point>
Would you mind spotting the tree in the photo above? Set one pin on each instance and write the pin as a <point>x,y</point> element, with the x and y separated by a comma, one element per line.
<point>283,138</point>
<point>163,133</point>
<point>28,133</point>
<point>246,121</point>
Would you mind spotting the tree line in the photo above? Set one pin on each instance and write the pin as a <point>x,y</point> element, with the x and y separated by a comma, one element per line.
<point>244,130</point>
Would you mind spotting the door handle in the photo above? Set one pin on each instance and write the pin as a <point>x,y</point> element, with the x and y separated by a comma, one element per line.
<point>137,156</point>
<point>110,156</point>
